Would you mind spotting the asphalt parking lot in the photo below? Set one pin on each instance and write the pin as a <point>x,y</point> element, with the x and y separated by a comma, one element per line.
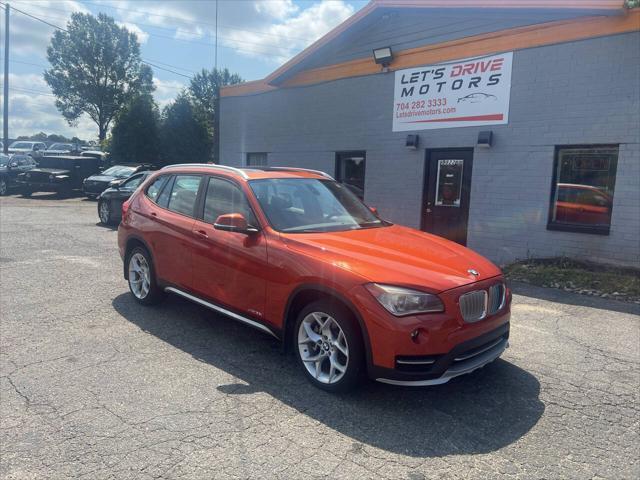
<point>94,386</point>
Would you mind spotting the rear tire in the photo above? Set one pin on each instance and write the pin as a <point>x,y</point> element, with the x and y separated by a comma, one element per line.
<point>4,188</point>
<point>328,346</point>
<point>142,277</point>
<point>104,212</point>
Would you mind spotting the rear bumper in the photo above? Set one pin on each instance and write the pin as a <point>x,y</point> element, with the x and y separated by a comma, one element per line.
<point>438,369</point>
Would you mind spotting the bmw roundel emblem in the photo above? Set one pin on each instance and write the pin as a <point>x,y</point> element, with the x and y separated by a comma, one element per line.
<point>473,272</point>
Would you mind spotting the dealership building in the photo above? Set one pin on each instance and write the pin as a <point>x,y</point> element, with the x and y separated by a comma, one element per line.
<point>510,126</point>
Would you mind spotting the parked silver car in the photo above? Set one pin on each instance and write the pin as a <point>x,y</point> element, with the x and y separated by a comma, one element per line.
<point>34,149</point>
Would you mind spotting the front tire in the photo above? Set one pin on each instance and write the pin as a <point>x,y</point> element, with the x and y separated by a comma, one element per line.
<point>4,188</point>
<point>328,346</point>
<point>26,192</point>
<point>142,278</point>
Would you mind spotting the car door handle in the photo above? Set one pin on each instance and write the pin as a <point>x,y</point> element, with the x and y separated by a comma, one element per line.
<point>201,233</point>
<point>154,214</point>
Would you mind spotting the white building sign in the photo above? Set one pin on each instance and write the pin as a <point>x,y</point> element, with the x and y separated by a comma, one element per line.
<point>461,94</point>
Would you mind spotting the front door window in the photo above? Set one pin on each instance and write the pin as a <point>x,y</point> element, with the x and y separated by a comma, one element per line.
<point>449,182</point>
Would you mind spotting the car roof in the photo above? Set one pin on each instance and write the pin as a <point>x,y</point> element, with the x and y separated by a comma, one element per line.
<point>250,173</point>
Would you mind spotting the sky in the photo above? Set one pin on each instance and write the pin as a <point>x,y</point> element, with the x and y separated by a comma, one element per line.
<point>254,38</point>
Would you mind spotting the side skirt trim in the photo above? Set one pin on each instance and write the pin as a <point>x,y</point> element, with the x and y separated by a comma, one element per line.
<point>222,310</point>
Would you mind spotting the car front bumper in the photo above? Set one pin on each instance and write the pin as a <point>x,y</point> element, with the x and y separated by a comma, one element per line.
<point>464,358</point>
<point>428,349</point>
<point>42,186</point>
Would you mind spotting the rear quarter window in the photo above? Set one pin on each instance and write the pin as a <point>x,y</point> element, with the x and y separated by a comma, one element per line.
<point>155,188</point>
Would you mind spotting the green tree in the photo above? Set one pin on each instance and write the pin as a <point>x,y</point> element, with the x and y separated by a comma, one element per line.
<point>135,135</point>
<point>95,69</point>
<point>632,3</point>
<point>184,136</point>
<point>203,92</point>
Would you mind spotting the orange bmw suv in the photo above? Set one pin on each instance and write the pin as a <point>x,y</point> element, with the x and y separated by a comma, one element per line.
<point>297,255</point>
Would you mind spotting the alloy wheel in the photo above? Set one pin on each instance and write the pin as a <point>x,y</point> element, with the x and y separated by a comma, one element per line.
<point>139,276</point>
<point>323,347</point>
<point>103,210</point>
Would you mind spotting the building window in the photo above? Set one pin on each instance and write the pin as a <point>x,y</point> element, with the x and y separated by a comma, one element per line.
<point>350,168</point>
<point>582,192</point>
<point>256,159</point>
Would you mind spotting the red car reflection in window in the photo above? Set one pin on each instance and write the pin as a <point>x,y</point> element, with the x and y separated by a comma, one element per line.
<point>583,204</point>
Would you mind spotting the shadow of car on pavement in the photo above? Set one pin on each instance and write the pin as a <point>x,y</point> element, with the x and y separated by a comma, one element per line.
<point>477,413</point>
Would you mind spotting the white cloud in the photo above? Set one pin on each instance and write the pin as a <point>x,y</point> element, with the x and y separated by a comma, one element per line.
<point>281,40</point>
<point>278,9</point>
<point>166,91</point>
<point>272,30</point>
<point>32,109</point>
<point>189,33</point>
<point>29,36</point>
<point>133,28</point>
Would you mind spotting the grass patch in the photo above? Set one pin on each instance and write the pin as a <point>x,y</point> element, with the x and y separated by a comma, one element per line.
<point>579,277</point>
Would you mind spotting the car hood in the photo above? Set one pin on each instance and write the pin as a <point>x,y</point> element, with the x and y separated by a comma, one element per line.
<point>396,255</point>
<point>102,178</point>
<point>19,150</point>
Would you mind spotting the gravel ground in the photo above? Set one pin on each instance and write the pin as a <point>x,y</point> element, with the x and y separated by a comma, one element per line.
<point>94,386</point>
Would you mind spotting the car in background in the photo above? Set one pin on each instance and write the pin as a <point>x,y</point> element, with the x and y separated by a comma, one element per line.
<point>35,149</point>
<point>297,255</point>
<point>10,167</point>
<point>110,201</point>
<point>62,174</point>
<point>60,149</point>
<point>583,204</point>
<point>96,184</point>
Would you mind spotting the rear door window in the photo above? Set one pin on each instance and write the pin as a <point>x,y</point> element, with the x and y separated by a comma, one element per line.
<point>183,194</point>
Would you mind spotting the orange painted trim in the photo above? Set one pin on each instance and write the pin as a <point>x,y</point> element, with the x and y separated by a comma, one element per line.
<point>553,4</point>
<point>485,44</point>
<point>505,40</point>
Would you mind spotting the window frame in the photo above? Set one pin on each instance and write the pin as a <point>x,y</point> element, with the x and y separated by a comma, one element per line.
<point>201,201</point>
<point>266,159</point>
<point>576,228</point>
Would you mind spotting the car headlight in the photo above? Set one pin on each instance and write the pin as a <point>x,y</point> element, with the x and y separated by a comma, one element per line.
<point>404,301</point>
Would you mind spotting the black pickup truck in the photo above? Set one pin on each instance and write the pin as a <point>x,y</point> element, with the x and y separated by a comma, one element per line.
<point>62,174</point>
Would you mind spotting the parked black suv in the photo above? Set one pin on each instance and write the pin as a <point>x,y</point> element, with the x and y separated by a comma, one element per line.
<point>61,174</point>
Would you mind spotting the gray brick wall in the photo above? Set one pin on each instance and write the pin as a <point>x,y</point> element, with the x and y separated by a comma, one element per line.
<point>583,92</point>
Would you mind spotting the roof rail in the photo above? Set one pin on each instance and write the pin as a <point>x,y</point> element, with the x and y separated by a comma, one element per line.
<point>295,169</point>
<point>210,165</point>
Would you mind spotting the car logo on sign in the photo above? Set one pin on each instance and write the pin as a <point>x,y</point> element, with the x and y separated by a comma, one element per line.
<point>473,272</point>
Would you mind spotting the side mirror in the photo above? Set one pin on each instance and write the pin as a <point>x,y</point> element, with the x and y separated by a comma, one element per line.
<point>115,183</point>
<point>234,222</point>
<point>374,210</point>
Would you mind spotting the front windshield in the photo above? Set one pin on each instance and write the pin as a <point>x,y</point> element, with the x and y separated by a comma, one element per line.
<point>119,171</point>
<point>21,145</point>
<point>311,205</point>
<point>61,146</point>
